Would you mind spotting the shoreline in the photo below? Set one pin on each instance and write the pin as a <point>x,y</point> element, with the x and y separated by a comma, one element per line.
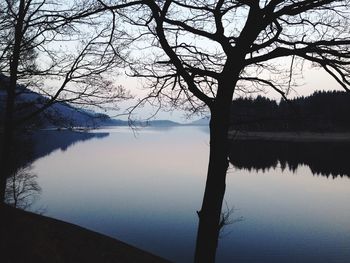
<point>290,136</point>
<point>29,237</point>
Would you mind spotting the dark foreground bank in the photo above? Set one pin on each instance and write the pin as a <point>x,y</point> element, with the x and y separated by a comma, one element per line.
<point>28,237</point>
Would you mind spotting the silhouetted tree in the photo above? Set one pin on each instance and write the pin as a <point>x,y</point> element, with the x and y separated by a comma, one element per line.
<point>22,188</point>
<point>57,50</point>
<point>200,53</point>
<point>196,54</point>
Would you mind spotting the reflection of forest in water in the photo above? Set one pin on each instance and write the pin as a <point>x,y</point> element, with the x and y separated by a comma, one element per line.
<point>323,158</point>
<point>22,189</point>
<point>68,179</point>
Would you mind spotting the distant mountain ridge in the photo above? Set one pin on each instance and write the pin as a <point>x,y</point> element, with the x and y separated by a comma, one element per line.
<point>62,114</point>
<point>151,123</point>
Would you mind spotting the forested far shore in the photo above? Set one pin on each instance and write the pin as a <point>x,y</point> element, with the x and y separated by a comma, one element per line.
<point>319,112</point>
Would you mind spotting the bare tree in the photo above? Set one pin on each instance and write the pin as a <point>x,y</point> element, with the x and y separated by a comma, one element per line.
<point>60,50</point>
<point>22,189</point>
<point>197,54</point>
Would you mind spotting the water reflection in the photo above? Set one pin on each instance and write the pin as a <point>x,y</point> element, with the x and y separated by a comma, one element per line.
<point>22,189</point>
<point>224,219</point>
<point>47,141</point>
<point>323,158</point>
<point>145,190</point>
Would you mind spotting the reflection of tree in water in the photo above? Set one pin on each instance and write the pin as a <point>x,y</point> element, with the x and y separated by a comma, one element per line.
<point>29,146</point>
<point>323,158</point>
<point>227,218</point>
<point>22,189</point>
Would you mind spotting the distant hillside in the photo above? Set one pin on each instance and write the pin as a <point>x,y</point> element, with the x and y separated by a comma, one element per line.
<point>158,123</point>
<point>60,114</point>
<point>322,111</point>
<point>64,115</point>
<point>201,122</point>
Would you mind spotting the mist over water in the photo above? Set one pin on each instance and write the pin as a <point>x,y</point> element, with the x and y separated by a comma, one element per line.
<point>145,189</point>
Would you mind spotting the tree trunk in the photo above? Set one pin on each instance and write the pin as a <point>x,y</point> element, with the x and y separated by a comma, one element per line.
<point>6,157</point>
<point>6,154</point>
<point>210,214</point>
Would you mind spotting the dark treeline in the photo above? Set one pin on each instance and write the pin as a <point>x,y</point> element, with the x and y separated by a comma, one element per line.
<point>322,111</point>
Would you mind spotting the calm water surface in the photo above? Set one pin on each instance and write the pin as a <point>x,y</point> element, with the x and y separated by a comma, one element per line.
<point>145,190</point>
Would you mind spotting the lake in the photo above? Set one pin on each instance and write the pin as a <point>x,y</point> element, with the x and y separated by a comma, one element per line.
<point>288,202</point>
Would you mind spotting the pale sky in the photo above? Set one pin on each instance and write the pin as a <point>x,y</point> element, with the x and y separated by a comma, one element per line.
<point>313,80</point>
